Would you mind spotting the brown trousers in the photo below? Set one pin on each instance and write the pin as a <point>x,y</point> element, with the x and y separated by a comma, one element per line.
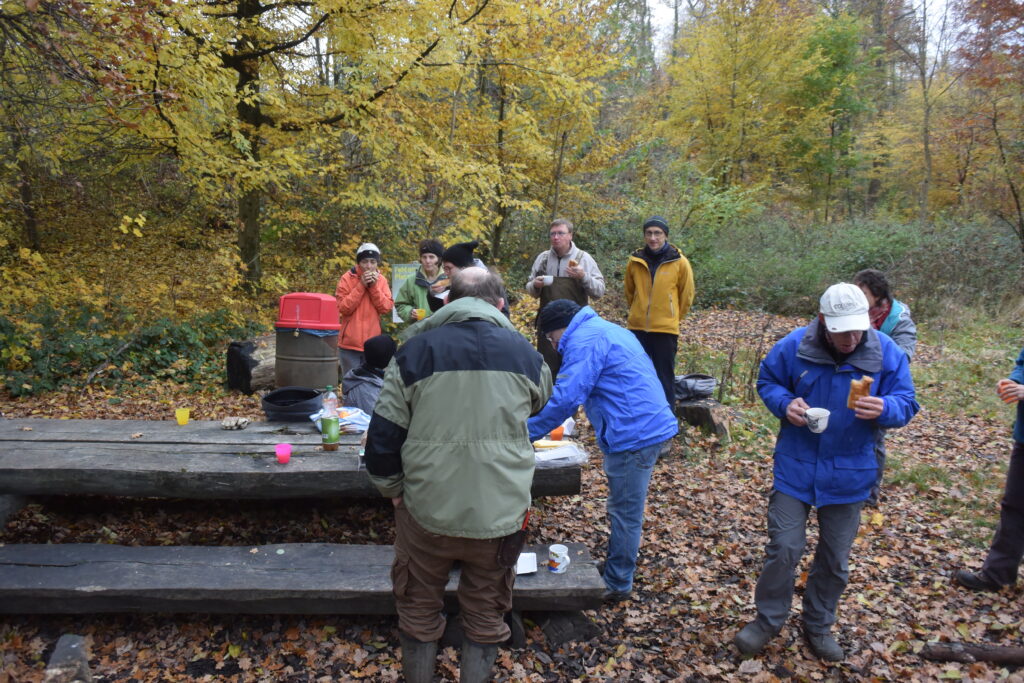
<point>420,573</point>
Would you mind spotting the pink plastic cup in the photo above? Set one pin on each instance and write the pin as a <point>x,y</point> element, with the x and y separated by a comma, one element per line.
<point>284,452</point>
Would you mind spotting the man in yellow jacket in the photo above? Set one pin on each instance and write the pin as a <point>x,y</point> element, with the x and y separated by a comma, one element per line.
<point>659,290</point>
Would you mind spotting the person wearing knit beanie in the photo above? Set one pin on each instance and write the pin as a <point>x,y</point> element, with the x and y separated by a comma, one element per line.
<point>378,351</point>
<point>416,293</point>
<point>605,368</point>
<point>557,315</point>
<point>459,255</point>
<point>659,290</point>
<point>368,250</point>
<point>363,296</point>
<point>432,247</point>
<point>657,222</point>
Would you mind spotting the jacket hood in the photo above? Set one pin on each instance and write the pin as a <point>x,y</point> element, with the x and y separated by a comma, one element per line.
<point>867,357</point>
<point>582,316</point>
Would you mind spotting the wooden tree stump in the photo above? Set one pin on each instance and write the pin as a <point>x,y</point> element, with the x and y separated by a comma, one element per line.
<point>250,364</point>
<point>706,413</point>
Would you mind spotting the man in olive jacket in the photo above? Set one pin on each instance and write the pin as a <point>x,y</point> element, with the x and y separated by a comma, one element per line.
<point>448,444</point>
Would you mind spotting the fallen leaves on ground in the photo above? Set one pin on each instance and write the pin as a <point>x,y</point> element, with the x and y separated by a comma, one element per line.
<point>701,554</point>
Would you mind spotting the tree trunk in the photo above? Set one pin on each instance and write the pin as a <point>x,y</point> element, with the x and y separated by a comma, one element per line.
<point>28,210</point>
<point>558,175</point>
<point>251,116</point>
<point>499,229</point>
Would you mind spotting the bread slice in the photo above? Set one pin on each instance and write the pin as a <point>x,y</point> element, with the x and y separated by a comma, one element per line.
<point>858,388</point>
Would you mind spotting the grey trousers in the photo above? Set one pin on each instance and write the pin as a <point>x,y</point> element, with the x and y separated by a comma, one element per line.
<point>787,536</point>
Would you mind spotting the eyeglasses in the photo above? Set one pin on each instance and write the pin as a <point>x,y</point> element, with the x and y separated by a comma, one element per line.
<point>557,234</point>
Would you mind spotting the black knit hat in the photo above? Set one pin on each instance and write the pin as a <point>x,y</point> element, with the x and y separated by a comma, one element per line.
<point>557,315</point>
<point>432,247</point>
<point>367,250</point>
<point>656,222</point>
<point>460,255</point>
<point>378,351</point>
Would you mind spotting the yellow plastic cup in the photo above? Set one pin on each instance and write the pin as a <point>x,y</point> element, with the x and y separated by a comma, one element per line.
<point>181,415</point>
<point>421,313</point>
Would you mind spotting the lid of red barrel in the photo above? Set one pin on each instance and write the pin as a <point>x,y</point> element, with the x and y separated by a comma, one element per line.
<point>308,310</point>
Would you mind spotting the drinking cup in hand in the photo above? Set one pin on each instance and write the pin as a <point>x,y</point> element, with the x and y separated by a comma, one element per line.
<point>817,419</point>
<point>548,279</point>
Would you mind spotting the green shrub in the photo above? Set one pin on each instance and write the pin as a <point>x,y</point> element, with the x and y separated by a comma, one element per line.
<point>61,349</point>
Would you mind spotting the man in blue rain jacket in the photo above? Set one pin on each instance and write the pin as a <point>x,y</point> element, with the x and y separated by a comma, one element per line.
<point>832,471</point>
<point>605,369</point>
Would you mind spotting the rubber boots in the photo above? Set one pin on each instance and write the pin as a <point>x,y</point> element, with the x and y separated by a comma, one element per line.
<point>477,661</point>
<point>418,659</point>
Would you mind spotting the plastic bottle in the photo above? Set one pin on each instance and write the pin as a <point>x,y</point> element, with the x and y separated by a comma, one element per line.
<point>329,420</point>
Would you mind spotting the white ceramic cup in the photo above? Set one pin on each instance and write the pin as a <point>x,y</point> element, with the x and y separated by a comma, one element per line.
<point>558,559</point>
<point>548,279</point>
<point>817,419</point>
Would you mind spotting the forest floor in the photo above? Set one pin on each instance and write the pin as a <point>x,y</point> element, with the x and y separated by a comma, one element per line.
<point>701,554</point>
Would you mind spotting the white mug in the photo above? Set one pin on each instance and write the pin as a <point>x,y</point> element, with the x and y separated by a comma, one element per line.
<point>548,279</point>
<point>817,419</point>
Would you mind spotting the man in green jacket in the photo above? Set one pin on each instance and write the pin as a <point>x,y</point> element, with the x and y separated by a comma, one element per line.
<point>448,444</point>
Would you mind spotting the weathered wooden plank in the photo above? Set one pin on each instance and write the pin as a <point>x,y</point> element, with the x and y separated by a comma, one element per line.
<point>272,579</point>
<point>204,472</point>
<point>141,458</point>
<point>160,432</point>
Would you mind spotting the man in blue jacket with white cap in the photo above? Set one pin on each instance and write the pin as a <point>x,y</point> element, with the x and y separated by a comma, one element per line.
<point>832,470</point>
<point>605,369</point>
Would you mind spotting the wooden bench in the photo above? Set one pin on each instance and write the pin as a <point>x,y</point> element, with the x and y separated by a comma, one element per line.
<point>303,578</point>
<point>146,458</point>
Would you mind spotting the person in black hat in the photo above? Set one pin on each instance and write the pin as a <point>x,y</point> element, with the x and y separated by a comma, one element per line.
<point>605,369</point>
<point>413,300</point>
<point>456,258</point>
<point>361,386</point>
<point>659,291</point>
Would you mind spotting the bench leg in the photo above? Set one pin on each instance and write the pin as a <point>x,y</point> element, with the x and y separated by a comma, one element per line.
<point>9,506</point>
<point>69,662</point>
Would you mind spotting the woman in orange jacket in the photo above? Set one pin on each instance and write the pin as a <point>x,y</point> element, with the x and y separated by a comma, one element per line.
<point>659,290</point>
<point>363,297</point>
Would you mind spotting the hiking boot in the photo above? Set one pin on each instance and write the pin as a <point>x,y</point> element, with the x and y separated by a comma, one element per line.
<point>976,581</point>
<point>752,638</point>
<point>418,659</point>
<point>824,646</point>
<point>611,596</point>
<point>477,661</point>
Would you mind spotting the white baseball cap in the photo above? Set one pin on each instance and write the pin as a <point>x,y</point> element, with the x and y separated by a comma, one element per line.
<point>845,308</point>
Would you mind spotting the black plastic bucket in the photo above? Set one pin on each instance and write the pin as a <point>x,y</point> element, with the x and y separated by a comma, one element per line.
<point>292,404</point>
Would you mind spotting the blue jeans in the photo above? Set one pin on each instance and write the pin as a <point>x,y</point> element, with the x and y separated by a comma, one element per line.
<point>629,473</point>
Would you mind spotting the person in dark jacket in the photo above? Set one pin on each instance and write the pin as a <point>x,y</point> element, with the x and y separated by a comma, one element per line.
<point>1004,556</point>
<point>605,369</point>
<point>457,258</point>
<point>448,444</point>
<point>360,387</point>
<point>830,470</point>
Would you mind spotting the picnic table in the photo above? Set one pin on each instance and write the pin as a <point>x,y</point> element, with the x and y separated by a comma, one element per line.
<point>153,458</point>
<point>200,460</point>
